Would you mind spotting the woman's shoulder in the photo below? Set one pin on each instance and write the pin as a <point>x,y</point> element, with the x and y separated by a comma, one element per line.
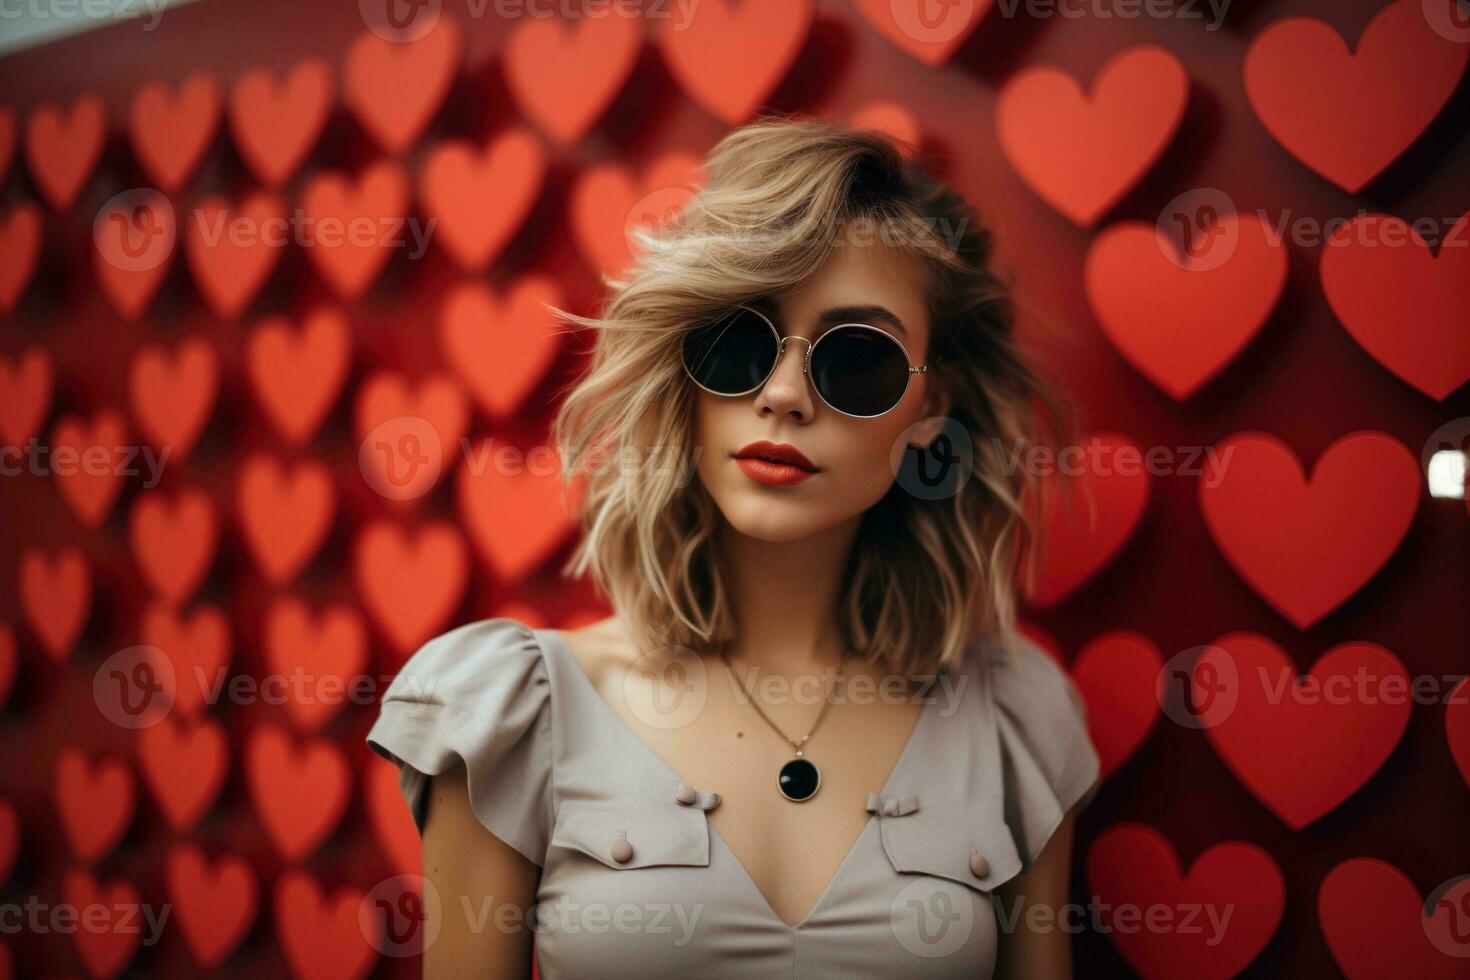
<point>478,695</point>
<point>1050,764</point>
<point>468,663</point>
<point>1030,683</point>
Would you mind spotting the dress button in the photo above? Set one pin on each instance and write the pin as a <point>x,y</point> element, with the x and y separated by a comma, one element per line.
<point>622,851</point>
<point>686,794</point>
<point>979,867</point>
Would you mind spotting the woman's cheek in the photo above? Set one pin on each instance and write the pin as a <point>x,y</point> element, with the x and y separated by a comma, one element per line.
<point>863,476</point>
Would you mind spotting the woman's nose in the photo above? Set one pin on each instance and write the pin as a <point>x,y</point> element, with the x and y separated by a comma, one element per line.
<point>786,389</point>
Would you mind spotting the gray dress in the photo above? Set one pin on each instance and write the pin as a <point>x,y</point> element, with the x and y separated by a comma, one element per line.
<point>636,882</point>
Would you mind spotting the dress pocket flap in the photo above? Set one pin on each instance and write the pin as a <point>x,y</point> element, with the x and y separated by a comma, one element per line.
<point>627,834</point>
<point>966,841</point>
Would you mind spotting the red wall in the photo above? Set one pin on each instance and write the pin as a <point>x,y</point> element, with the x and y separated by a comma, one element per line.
<point>1302,379</point>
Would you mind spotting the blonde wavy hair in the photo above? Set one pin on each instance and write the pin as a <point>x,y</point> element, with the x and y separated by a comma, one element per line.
<point>927,579</point>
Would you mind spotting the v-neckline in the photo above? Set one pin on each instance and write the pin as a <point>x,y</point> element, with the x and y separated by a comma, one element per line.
<point>903,762</point>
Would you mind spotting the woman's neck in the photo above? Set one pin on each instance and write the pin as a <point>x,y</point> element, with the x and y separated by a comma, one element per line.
<point>785,598</point>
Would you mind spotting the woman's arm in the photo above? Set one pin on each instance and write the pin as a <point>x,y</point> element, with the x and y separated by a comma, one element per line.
<point>477,876</point>
<point>1039,948</point>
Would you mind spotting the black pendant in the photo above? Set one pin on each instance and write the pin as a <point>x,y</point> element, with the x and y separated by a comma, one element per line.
<point>798,780</point>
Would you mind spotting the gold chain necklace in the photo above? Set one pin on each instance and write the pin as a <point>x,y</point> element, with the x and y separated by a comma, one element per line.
<point>799,779</point>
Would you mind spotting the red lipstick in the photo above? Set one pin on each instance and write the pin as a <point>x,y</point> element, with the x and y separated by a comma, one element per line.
<point>775,464</point>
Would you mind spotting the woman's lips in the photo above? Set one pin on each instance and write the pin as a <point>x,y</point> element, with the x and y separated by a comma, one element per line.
<point>773,474</point>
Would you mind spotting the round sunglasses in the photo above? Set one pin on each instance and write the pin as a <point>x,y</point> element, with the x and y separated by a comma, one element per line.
<point>857,369</point>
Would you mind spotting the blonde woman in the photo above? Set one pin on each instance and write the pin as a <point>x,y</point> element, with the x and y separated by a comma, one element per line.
<point>809,741</point>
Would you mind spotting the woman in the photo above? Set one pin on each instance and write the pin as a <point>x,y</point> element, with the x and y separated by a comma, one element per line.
<point>809,742</point>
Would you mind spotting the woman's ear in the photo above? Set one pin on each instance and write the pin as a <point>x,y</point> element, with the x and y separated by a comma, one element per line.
<point>936,412</point>
<point>927,429</point>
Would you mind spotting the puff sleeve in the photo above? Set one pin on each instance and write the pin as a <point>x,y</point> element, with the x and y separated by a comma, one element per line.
<point>1048,761</point>
<point>479,694</point>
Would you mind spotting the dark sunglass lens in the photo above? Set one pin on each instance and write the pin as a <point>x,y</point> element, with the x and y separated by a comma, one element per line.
<point>859,371</point>
<point>733,355</point>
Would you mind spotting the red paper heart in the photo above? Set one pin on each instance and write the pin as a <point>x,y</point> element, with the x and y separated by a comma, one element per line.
<point>198,651</point>
<point>435,412</point>
<point>183,764</point>
<point>729,57</point>
<point>501,348</point>
<point>171,131</point>
<point>893,120</point>
<point>914,28</point>
<point>173,393</point>
<point>1374,923</point>
<point>25,395</point>
<point>285,516</point>
<point>276,123</point>
<point>1277,735</point>
<point>326,653</point>
<point>10,839</point>
<point>94,800</point>
<point>514,514</point>
<point>1117,674</point>
<point>1457,727</point>
<point>394,87</point>
<point>298,374</point>
<point>233,250</point>
<point>173,543</point>
<point>216,904</point>
<point>1135,872</point>
<point>20,242</point>
<point>480,198</point>
<point>1407,308</point>
<point>608,203</point>
<point>9,660</point>
<point>564,103</point>
<point>354,224</point>
<point>1078,540</point>
<point>56,593</point>
<point>87,463</point>
<point>322,939</point>
<point>134,235</point>
<point>1081,153</point>
<point>299,790</point>
<point>1179,319</point>
<point>1348,115</point>
<point>411,582</point>
<point>1305,547</point>
<point>62,150</point>
<point>392,823</point>
<point>111,916</point>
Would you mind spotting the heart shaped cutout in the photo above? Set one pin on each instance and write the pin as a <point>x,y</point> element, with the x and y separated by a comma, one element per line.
<point>1348,114</point>
<point>1133,867</point>
<point>1305,545</point>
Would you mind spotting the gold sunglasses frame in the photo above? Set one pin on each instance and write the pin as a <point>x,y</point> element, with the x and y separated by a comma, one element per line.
<point>806,364</point>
